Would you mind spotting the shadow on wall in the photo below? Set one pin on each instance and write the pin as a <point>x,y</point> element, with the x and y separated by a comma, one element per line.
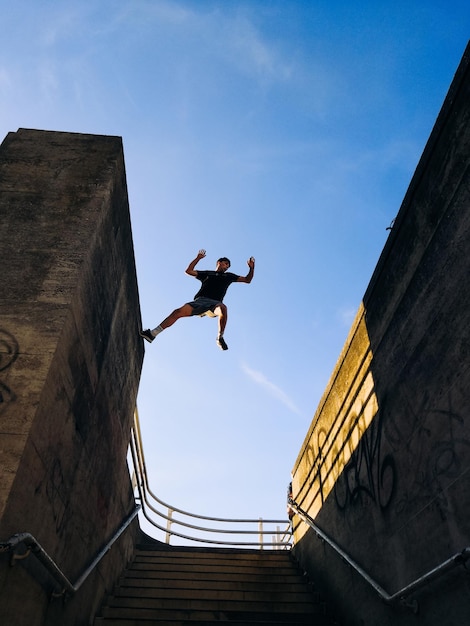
<point>384,472</point>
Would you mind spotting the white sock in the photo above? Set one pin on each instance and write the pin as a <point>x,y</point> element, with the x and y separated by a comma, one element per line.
<point>157,330</point>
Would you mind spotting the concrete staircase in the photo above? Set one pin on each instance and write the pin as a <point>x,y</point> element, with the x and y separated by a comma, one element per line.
<point>199,586</point>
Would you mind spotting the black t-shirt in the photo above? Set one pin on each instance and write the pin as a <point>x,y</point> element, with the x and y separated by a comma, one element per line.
<point>214,284</point>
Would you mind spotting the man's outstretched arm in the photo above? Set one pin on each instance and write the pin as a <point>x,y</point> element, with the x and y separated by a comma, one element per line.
<point>190,269</point>
<point>249,277</point>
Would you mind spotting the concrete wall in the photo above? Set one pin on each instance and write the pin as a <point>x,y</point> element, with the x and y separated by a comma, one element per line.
<point>70,361</point>
<point>385,466</point>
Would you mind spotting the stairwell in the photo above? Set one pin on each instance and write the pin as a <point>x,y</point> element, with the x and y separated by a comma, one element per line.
<point>199,586</point>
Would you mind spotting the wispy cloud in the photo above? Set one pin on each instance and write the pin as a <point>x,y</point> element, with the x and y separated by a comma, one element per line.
<point>260,379</point>
<point>228,35</point>
<point>49,81</point>
<point>346,316</point>
<point>5,80</point>
<point>251,52</point>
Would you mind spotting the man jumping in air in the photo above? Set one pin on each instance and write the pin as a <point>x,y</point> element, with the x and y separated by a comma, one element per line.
<point>208,300</point>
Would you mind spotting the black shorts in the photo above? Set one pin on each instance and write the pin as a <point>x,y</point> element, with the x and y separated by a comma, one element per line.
<point>203,305</point>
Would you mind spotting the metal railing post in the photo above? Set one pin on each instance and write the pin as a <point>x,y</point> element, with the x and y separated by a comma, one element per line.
<point>169,521</point>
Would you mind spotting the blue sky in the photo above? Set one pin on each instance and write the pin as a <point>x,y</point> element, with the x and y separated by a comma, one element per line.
<point>284,129</point>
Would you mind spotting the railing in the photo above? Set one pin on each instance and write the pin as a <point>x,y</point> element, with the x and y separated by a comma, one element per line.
<point>460,558</point>
<point>258,533</point>
<point>33,546</point>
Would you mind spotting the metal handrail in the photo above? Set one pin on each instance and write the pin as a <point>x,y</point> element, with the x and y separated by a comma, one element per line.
<point>460,558</point>
<point>279,540</point>
<point>54,570</point>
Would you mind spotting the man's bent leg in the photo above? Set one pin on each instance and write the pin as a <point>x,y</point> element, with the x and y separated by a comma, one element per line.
<point>222,313</point>
<point>183,311</point>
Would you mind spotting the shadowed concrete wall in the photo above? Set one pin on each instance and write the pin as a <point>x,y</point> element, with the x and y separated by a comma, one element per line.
<point>385,466</point>
<point>70,362</point>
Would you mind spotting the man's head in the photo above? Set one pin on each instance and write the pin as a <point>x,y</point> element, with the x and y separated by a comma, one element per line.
<point>222,264</point>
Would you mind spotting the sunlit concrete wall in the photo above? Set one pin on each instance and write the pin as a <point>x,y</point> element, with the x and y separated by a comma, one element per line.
<point>70,361</point>
<point>385,467</point>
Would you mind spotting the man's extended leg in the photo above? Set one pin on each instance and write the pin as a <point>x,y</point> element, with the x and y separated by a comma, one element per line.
<point>183,311</point>
<point>222,313</point>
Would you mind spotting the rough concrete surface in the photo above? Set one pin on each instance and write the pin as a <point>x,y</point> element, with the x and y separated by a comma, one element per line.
<point>70,361</point>
<point>384,467</point>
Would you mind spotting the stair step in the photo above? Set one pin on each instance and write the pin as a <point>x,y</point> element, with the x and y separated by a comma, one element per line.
<point>185,586</point>
<point>196,566</point>
<point>212,615</point>
<point>262,564</point>
<point>216,584</point>
<point>243,560</point>
<point>118,621</point>
<point>206,551</point>
<point>263,557</point>
<point>211,578</point>
<point>219,604</point>
<point>248,595</point>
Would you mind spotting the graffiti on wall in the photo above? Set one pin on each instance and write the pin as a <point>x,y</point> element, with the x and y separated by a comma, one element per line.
<point>434,441</point>
<point>58,496</point>
<point>370,474</point>
<point>344,455</point>
<point>9,351</point>
<point>396,447</point>
<point>394,455</point>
